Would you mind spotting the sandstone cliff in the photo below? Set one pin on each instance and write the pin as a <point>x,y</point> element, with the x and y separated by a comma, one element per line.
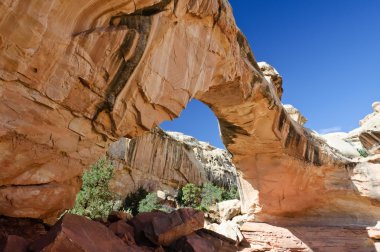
<point>75,76</point>
<point>167,160</point>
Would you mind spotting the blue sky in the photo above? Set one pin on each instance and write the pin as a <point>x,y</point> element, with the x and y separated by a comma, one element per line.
<point>328,52</point>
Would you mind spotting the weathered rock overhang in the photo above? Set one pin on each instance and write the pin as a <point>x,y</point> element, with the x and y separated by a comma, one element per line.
<point>76,76</point>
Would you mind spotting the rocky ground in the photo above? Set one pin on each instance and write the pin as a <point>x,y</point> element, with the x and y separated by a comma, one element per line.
<point>180,230</point>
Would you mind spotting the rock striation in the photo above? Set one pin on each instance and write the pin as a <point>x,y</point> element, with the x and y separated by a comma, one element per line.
<point>161,160</point>
<point>75,76</point>
<point>217,163</point>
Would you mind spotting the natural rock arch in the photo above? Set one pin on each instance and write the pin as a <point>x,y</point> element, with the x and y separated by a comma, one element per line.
<point>77,76</point>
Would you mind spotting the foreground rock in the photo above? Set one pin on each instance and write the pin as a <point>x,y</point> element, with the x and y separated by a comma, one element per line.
<point>181,230</point>
<point>229,209</point>
<point>13,243</point>
<point>203,240</point>
<point>77,233</point>
<point>228,229</point>
<point>124,231</point>
<point>77,75</point>
<point>267,237</point>
<point>164,229</point>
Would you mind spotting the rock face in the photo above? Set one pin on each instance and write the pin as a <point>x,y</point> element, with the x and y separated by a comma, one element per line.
<point>154,161</point>
<point>165,229</point>
<point>265,237</point>
<point>364,140</point>
<point>229,209</point>
<point>75,76</point>
<point>217,163</point>
<point>167,160</point>
<point>370,130</point>
<point>295,114</point>
<point>77,233</point>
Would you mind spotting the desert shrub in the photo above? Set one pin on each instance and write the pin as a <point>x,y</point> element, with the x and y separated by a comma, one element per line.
<point>231,193</point>
<point>363,152</point>
<point>151,203</point>
<point>211,195</point>
<point>190,196</point>
<point>95,200</point>
<point>132,200</point>
<point>202,197</point>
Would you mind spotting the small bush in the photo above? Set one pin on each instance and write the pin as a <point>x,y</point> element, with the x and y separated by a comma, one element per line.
<point>211,195</point>
<point>190,196</point>
<point>132,200</point>
<point>230,194</point>
<point>363,152</point>
<point>202,197</point>
<point>95,199</point>
<point>150,203</point>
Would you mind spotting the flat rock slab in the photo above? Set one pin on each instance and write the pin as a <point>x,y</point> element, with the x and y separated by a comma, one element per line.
<point>269,237</point>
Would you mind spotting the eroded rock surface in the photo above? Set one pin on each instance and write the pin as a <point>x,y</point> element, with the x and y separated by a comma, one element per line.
<point>168,160</point>
<point>75,76</point>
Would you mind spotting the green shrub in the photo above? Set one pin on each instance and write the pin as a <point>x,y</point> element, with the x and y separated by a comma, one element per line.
<point>95,200</point>
<point>232,193</point>
<point>132,200</point>
<point>211,195</point>
<point>363,152</point>
<point>202,197</point>
<point>151,203</point>
<point>190,196</point>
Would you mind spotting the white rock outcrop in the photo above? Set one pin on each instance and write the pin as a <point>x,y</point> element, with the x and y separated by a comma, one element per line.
<point>161,160</point>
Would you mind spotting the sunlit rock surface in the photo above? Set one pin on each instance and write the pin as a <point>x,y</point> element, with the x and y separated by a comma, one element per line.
<point>75,76</point>
<point>295,114</point>
<point>168,160</point>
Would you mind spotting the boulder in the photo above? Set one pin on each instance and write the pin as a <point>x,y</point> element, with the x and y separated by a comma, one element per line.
<point>13,243</point>
<point>229,209</point>
<point>76,233</point>
<point>165,229</point>
<point>219,242</point>
<point>228,229</point>
<point>192,243</point>
<point>240,219</point>
<point>124,231</point>
<point>142,221</point>
<point>30,229</point>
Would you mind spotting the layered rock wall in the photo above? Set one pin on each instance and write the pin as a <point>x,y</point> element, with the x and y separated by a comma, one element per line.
<point>167,160</point>
<point>75,76</point>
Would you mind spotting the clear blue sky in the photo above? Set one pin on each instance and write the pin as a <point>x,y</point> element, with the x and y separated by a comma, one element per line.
<point>328,52</point>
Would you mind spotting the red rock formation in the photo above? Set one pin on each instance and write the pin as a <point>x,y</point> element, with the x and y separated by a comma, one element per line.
<point>77,233</point>
<point>75,76</point>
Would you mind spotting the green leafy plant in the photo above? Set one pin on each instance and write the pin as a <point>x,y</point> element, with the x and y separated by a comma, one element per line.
<point>190,196</point>
<point>149,203</point>
<point>363,152</point>
<point>133,199</point>
<point>232,193</point>
<point>211,195</point>
<point>95,200</point>
<point>202,197</point>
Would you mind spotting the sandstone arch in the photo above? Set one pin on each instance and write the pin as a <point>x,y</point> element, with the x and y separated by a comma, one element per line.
<point>75,76</point>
